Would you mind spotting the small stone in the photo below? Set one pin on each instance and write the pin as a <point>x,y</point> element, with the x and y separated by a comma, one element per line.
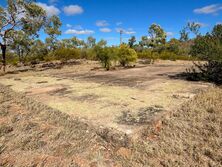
<point>124,152</point>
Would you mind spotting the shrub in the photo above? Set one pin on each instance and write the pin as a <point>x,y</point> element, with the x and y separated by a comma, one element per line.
<point>91,54</point>
<point>107,56</point>
<point>164,55</point>
<point>11,58</point>
<point>209,48</point>
<point>65,54</point>
<point>145,55</point>
<point>126,55</point>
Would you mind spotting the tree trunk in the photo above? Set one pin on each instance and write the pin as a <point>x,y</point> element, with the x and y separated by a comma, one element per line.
<point>3,48</point>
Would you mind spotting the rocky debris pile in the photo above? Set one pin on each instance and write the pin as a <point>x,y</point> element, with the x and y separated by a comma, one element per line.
<point>143,116</point>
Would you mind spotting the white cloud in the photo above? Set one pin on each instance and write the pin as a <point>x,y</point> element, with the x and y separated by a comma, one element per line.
<point>128,32</point>
<point>202,24</point>
<point>79,32</point>
<point>119,23</point>
<point>170,34</point>
<point>211,9</point>
<point>78,27</point>
<point>106,30</point>
<point>102,23</point>
<point>50,9</point>
<point>53,1</point>
<point>68,25</point>
<point>73,10</point>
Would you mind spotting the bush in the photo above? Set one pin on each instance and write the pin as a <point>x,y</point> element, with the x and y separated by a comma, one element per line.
<point>107,56</point>
<point>164,55</point>
<point>209,49</point>
<point>65,54</point>
<point>145,55</point>
<point>11,58</point>
<point>126,55</point>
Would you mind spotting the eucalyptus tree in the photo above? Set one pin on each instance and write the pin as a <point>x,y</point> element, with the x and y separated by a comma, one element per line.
<point>102,43</point>
<point>144,41</point>
<point>157,35</point>
<point>91,42</point>
<point>52,27</point>
<point>194,28</point>
<point>22,44</point>
<point>191,27</point>
<point>184,35</point>
<point>19,15</point>
<point>132,41</point>
<point>38,50</point>
<point>76,43</point>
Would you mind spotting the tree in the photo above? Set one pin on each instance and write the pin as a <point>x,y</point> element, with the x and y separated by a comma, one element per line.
<point>76,42</point>
<point>157,35</point>
<point>194,28</point>
<point>190,27</point>
<point>19,15</point>
<point>21,45</point>
<point>66,43</point>
<point>91,42</point>
<point>126,55</point>
<point>209,48</point>
<point>38,51</point>
<point>144,41</point>
<point>184,35</point>
<point>102,43</point>
<point>52,29</point>
<point>173,45</point>
<point>132,41</point>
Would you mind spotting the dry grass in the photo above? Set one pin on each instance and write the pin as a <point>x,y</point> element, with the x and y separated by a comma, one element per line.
<point>190,136</point>
<point>33,135</point>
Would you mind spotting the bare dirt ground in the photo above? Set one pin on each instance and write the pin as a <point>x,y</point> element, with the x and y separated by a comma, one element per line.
<point>32,134</point>
<point>123,99</point>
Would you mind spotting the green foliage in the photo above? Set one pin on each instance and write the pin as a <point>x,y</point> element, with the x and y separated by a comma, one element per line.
<point>126,55</point>
<point>107,56</point>
<point>157,35</point>
<point>91,42</point>
<point>194,27</point>
<point>191,27</point>
<point>173,46</point>
<point>209,48</point>
<point>132,41</point>
<point>65,54</point>
<point>12,58</point>
<point>164,55</point>
<point>184,35</point>
<point>38,51</point>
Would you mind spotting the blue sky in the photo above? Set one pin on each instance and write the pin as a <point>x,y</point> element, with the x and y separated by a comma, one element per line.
<point>103,18</point>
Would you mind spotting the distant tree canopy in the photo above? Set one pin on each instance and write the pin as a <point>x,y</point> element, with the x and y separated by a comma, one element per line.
<point>25,18</point>
<point>132,41</point>
<point>157,35</point>
<point>191,27</point>
<point>22,20</point>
